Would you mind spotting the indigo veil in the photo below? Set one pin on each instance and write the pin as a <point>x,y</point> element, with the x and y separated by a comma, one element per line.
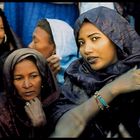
<point>81,81</point>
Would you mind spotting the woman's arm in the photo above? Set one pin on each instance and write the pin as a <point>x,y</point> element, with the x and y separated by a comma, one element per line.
<point>73,122</point>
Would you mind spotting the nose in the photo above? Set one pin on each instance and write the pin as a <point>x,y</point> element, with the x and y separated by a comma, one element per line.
<point>27,83</point>
<point>88,49</point>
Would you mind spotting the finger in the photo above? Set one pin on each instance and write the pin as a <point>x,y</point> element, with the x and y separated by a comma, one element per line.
<point>55,67</point>
<point>53,58</point>
<point>28,111</point>
<point>55,71</point>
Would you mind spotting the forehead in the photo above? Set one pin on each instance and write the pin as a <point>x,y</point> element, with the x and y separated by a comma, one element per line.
<point>88,28</point>
<point>39,32</point>
<point>25,64</point>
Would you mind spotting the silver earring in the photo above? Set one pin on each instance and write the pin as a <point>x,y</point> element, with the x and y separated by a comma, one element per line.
<point>5,38</point>
<point>42,86</point>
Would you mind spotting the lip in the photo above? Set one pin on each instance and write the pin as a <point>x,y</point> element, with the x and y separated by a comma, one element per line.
<point>28,93</point>
<point>92,59</point>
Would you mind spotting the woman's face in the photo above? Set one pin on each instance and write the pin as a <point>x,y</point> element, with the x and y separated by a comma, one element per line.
<point>41,42</point>
<point>2,32</point>
<point>96,47</point>
<point>27,80</point>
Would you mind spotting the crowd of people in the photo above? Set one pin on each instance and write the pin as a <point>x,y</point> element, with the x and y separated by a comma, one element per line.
<point>71,81</point>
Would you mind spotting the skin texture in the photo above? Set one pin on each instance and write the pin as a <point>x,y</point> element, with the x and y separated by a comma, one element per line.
<point>41,42</point>
<point>93,43</point>
<point>95,47</point>
<point>27,82</point>
<point>2,32</point>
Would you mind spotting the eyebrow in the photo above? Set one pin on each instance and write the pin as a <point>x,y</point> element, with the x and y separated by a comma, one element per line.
<point>93,34</point>
<point>34,72</point>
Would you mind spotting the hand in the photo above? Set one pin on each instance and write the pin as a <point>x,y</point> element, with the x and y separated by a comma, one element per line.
<point>127,82</point>
<point>54,63</point>
<point>35,112</point>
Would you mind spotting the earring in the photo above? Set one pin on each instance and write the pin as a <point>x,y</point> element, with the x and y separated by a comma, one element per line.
<point>42,86</point>
<point>5,38</point>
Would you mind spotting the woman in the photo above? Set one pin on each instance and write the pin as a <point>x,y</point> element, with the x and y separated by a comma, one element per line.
<point>66,11</point>
<point>55,40</point>
<point>8,42</point>
<point>95,106</point>
<point>30,91</point>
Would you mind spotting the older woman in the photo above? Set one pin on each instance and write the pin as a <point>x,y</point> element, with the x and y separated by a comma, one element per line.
<point>30,91</point>
<point>100,96</point>
<point>55,40</point>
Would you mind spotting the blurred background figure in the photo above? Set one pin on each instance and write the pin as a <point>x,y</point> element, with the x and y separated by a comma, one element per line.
<point>23,16</point>
<point>55,40</point>
<point>8,43</point>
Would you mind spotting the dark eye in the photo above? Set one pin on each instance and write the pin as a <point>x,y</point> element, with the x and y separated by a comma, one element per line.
<point>1,28</point>
<point>17,78</point>
<point>80,42</point>
<point>34,76</point>
<point>94,38</point>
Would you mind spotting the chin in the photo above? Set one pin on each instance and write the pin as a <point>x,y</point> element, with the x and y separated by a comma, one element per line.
<point>28,98</point>
<point>98,67</point>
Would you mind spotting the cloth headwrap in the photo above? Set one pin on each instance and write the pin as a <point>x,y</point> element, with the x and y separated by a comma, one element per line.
<point>64,39</point>
<point>117,29</point>
<point>42,65</point>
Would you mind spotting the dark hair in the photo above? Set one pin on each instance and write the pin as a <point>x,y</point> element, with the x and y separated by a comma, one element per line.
<point>44,24</point>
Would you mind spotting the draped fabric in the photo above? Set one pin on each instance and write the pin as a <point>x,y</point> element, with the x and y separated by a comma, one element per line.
<point>6,46</point>
<point>17,122</point>
<point>23,16</point>
<point>82,82</point>
<point>66,48</point>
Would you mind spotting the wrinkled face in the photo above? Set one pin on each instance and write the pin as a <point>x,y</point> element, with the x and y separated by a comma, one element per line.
<point>27,80</point>
<point>41,42</point>
<point>96,47</point>
<point>2,32</point>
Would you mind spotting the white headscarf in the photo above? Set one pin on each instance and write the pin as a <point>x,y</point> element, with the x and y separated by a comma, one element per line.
<point>66,48</point>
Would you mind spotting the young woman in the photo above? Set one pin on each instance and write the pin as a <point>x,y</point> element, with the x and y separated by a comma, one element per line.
<point>30,91</point>
<point>94,102</point>
<point>8,43</point>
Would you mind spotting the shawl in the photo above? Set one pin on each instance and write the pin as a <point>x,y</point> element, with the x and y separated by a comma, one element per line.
<point>19,124</point>
<point>6,45</point>
<point>65,44</point>
<point>81,81</point>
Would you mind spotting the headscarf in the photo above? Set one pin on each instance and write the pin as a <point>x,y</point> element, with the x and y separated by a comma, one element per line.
<point>9,43</point>
<point>14,121</point>
<point>81,81</point>
<point>117,29</point>
<point>66,48</point>
<point>41,63</point>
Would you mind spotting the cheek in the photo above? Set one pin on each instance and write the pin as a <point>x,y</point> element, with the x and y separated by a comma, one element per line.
<point>2,33</point>
<point>38,86</point>
<point>17,85</point>
<point>81,52</point>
